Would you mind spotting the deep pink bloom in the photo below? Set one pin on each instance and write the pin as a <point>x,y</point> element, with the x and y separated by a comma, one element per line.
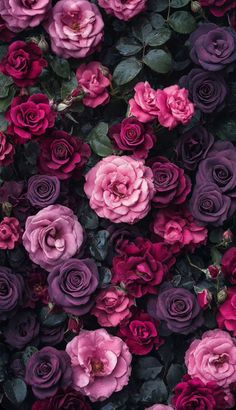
<point>226,317</point>
<point>228,263</point>
<point>144,104</point>
<point>204,298</point>
<point>219,7</point>
<point>123,10</point>
<point>7,151</point>
<point>10,233</point>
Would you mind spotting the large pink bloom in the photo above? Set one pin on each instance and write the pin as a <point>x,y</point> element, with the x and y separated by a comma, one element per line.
<point>100,363</point>
<point>213,358</point>
<point>160,407</point>
<point>120,189</point>
<point>52,236</point>
<point>75,28</point>
<point>144,104</point>
<point>123,10</point>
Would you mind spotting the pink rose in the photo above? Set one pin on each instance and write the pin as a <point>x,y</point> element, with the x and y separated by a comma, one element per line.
<point>120,189</point>
<point>204,298</point>
<point>160,407</point>
<point>174,106</point>
<point>10,233</point>
<point>100,363</point>
<point>213,358</point>
<point>75,28</point>
<point>21,14</point>
<point>123,10</point>
<point>226,317</point>
<point>7,151</point>
<point>52,236</point>
<point>144,104</point>
<point>94,80</point>
<point>112,306</point>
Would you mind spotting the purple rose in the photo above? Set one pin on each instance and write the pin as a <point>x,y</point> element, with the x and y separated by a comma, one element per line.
<point>48,370</point>
<point>209,205</point>
<point>11,292</point>
<point>193,146</point>
<point>213,47</point>
<point>22,329</point>
<point>43,190</point>
<point>206,89</point>
<point>72,284</point>
<point>178,308</point>
<point>52,335</point>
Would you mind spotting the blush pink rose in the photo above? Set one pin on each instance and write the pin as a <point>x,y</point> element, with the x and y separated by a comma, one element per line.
<point>160,407</point>
<point>112,306</point>
<point>94,80</point>
<point>100,363</point>
<point>120,189</point>
<point>144,104</point>
<point>52,236</point>
<point>123,10</point>
<point>174,106</point>
<point>75,28</point>
<point>21,14</point>
<point>213,358</point>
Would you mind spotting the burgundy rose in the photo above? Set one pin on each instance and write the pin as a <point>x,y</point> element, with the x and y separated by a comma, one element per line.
<point>228,265</point>
<point>7,151</point>
<point>63,400</point>
<point>24,62</point>
<point>226,317</point>
<point>218,7</point>
<point>11,292</point>
<point>36,288</point>
<point>134,136</point>
<point>10,233</point>
<point>141,334</point>
<point>30,117</point>
<point>22,330</point>
<point>63,155</point>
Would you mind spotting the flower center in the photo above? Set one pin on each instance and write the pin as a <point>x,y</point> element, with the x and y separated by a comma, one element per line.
<point>97,366</point>
<point>221,359</point>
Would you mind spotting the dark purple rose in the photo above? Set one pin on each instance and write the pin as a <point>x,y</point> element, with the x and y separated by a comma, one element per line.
<point>172,186</point>
<point>17,368</point>
<point>193,146</point>
<point>52,335</point>
<point>43,190</point>
<point>213,47</point>
<point>48,370</point>
<point>209,205</point>
<point>72,284</point>
<point>132,135</point>
<point>11,292</point>
<point>22,329</point>
<point>206,89</point>
<point>178,308</point>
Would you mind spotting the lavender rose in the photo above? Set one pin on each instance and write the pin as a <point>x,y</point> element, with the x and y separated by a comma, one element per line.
<point>72,284</point>
<point>11,292</point>
<point>47,370</point>
<point>178,308</point>
<point>43,190</point>
<point>213,47</point>
<point>22,329</point>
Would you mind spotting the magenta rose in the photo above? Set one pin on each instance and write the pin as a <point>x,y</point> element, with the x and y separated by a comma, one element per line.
<point>120,189</point>
<point>144,104</point>
<point>20,15</point>
<point>219,7</point>
<point>133,136</point>
<point>173,106</point>
<point>226,316</point>
<point>213,358</point>
<point>228,265</point>
<point>100,363</point>
<point>123,10</point>
<point>172,186</point>
<point>30,117</point>
<point>10,233</point>
<point>112,306</point>
<point>75,28</point>
<point>23,62</point>
<point>94,79</point>
<point>52,236</point>
<point>7,151</point>
<point>63,155</point>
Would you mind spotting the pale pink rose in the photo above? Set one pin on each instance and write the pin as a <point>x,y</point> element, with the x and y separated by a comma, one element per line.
<point>120,189</point>
<point>94,80</point>
<point>123,10</point>
<point>213,358</point>
<point>100,363</point>
<point>52,236</point>
<point>144,104</point>
<point>112,306</point>
<point>174,106</point>
<point>160,407</point>
<point>20,14</point>
<point>75,28</point>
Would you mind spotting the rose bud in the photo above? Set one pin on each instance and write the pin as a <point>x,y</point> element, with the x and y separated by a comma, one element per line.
<point>213,271</point>
<point>227,237</point>
<point>204,298</point>
<point>222,295</point>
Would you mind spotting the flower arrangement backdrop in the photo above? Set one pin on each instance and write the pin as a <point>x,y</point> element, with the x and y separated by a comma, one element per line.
<point>117,204</point>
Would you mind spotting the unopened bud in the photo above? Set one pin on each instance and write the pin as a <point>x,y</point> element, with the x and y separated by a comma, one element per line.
<point>213,271</point>
<point>40,41</point>
<point>196,6</point>
<point>6,208</point>
<point>222,295</point>
<point>228,237</point>
<point>63,106</point>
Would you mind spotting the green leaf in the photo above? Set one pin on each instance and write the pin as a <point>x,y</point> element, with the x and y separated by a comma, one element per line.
<point>157,20</point>
<point>141,29</point>
<point>128,46</point>
<point>216,256</point>
<point>29,351</point>
<point>99,245</point>
<point>178,4</point>
<point>174,375</point>
<point>50,319</point>
<point>159,61</point>
<point>154,391</point>
<point>182,22</point>
<point>127,70</point>
<point>147,368</point>
<point>99,141</point>
<point>69,86</point>
<point>15,390</point>
<point>5,102</point>
<point>3,123</point>
<point>158,5</point>
<point>225,128</point>
<point>60,66</point>
<point>159,37</point>
<point>3,51</point>
<point>5,82</point>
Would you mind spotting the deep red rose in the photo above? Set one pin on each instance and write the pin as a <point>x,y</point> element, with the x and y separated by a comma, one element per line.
<point>226,317</point>
<point>5,34</point>
<point>132,135</point>
<point>63,400</point>
<point>141,266</point>
<point>141,333</point>
<point>228,263</point>
<point>30,117</point>
<point>24,62</point>
<point>218,7</point>
<point>194,394</point>
<point>10,233</point>
<point>7,151</point>
<point>63,155</point>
